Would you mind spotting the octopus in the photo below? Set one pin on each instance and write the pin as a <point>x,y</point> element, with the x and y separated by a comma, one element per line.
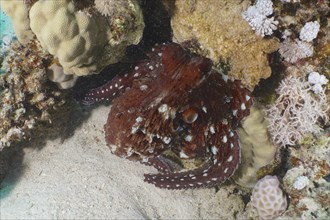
<point>175,101</point>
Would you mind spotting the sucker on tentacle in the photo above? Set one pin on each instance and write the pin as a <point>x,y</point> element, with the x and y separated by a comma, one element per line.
<point>175,101</point>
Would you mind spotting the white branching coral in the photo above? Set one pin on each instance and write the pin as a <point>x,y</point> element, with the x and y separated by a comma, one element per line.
<point>296,111</point>
<point>294,50</point>
<point>257,16</point>
<point>309,32</point>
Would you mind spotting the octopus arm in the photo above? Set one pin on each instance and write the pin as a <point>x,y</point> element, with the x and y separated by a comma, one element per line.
<point>217,170</point>
<point>118,84</point>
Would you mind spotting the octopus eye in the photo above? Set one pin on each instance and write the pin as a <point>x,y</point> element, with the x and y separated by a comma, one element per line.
<point>189,115</point>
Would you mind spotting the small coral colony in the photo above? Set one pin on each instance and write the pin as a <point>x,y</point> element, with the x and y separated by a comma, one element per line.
<point>185,107</point>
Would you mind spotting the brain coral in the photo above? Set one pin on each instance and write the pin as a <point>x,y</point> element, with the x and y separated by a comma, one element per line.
<point>83,43</point>
<point>221,31</point>
<point>268,198</point>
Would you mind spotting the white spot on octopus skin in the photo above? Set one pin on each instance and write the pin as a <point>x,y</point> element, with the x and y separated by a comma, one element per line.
<point>102,91</point>
<point>214,179</point>
<point>136,75</point>
<point>247,98</point>
<point>214,150</point>
<point>136,67</point>
<point>163,108</point>
<point>231,134</point>
<point>160,54</point>
<point>167,140</point>
<point>234,112</point>
<point>224,139</point>
<point>231,145</point>
<point>143,87</point>
<point>243,107</point>
<point>151,67</point>
<point>188,138</point>
<point>139,119</point>
<point>110,87</point>
<point>183,155</point>
<point>126,75</point>
<point>212,130</point>
<point>230,158</point>
<point>205,174</point>
<point>116,85</point>
<point>226,170</point>
<point>204,109</point>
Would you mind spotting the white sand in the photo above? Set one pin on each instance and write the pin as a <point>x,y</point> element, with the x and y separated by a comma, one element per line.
<point>80,178</point>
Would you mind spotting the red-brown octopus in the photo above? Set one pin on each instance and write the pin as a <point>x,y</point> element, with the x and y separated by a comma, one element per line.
<point>175,101</point>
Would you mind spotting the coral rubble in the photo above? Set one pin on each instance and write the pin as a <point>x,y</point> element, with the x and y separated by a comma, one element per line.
<point>26,96</point>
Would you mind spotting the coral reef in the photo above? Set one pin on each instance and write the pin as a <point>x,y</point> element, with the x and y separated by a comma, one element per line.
<point>82,43</point>
<point>305,180</point>
<point>224,35</point>
<point>18,12</point>
<point>258,17</point>
<point>82,40</point>
<point>56,74</point>
<point>26,97</point>
<point>257,149</point>
<point>293,50</point>
<point>268,198</point>
<point>296,112</point>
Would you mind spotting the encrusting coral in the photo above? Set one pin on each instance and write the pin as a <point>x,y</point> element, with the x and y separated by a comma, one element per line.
<point>257,148</point>
<point>26,96</point>
<point>224,35</point>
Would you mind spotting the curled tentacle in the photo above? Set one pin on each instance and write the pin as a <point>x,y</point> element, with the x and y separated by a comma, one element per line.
<point>222,166</point>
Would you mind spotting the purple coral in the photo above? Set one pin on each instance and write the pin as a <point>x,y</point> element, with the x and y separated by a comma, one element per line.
<point>296,111</point>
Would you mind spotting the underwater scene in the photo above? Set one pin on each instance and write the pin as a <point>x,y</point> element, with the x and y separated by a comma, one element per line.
<point>164,109</point>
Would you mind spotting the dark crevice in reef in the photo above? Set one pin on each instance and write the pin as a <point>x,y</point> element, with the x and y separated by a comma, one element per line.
<point>157,30</point>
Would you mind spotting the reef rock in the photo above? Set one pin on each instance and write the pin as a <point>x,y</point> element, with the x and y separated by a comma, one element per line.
<point>225,36</point>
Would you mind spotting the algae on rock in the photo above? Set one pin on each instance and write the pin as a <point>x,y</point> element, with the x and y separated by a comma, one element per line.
<point>221,31</point>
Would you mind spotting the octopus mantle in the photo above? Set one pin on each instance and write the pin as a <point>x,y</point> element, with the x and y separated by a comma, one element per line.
<point>175,101</point>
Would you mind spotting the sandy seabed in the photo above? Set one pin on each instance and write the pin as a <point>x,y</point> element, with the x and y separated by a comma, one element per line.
<point>79,178</point>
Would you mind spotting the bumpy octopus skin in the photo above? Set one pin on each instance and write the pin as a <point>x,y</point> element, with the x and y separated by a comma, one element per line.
<point>175,101</point>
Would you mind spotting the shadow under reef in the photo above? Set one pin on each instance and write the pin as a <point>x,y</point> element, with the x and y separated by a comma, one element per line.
<point>72,115</point>
<point>63,125</point>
